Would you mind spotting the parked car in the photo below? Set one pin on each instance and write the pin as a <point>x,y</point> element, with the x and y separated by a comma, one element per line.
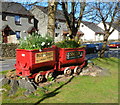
<point>99,46</point>
<point>114,45</point>
<point>90,48</point>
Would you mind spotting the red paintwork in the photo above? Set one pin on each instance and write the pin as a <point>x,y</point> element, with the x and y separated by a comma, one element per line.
<point>25,61</point>
<point>114,45</point>
<point>63,58</point>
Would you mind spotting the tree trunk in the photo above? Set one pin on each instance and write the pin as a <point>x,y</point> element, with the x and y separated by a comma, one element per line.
<point>102,52</point>
<point>51,18</point>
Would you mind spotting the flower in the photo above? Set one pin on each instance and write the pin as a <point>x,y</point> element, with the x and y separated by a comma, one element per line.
<point>43,43</point>
<point>48,43</point>
<point>46,38</point>
<point>40,50</point>
<point>33,45</point>
<point>68,35</point>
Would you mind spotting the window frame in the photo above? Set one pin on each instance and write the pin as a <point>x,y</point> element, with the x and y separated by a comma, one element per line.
<point>30,20</point>
<point>4,17</point>
<point>19,35</point>
<point>17,19</point>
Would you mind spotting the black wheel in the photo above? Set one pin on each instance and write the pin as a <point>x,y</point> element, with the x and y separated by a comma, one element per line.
<point>49,75</point>
<point>67,71</point>
<point>39,78</point>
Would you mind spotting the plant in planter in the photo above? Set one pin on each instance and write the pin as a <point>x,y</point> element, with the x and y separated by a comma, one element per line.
<point>67,44</point>
<point>36,41</point>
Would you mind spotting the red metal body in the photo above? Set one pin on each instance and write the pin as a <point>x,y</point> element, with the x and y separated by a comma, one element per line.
<point>32,62</point>
<point>26,60</point>
<point>71,57</point>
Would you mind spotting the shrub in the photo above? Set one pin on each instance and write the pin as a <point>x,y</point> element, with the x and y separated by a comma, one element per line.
<point>67,44</point>
<point>36,41</point>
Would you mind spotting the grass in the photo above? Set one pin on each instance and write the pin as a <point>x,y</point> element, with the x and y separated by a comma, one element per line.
<point>80,89</point>
<point>4,72</point>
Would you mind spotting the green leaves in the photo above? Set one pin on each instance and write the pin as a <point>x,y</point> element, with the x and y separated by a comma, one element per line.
<point>67,44</point>
<point>36,41</point>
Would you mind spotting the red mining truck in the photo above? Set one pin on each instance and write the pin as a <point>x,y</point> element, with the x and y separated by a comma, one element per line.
<point>38,65</point>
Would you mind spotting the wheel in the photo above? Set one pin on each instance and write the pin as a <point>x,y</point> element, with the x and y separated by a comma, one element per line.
<point>39,78</point>
<point>77,70</point>
<point>67,71</point>
<point>49,75</point>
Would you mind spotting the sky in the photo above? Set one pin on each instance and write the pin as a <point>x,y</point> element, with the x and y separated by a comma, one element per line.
<point>60,0</point>
<point>44,2</point>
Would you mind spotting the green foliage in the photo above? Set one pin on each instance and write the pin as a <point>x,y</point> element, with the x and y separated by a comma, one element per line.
<point>67,44</point>
<point>36,41</point>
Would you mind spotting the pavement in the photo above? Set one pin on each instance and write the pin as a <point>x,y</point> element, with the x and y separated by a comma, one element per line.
<point>8,64</point>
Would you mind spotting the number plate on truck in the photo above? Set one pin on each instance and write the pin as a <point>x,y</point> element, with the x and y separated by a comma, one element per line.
<point>74,55</point>
<point>44,57</point>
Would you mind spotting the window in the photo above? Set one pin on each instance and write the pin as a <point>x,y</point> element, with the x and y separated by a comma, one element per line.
<point>82,25</point>
<point>17,19</point>
<point>56,34</point>
<point>57,25</point>
<point>4,17</point>
<point>30,20</point>
<point>18,35</point>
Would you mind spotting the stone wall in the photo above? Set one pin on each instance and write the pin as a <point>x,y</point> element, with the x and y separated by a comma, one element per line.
<point>8,50</point>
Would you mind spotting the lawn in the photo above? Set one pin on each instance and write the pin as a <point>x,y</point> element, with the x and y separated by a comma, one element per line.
<point>80,89</point>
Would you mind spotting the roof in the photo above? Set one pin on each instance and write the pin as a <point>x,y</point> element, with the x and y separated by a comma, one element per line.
<point>116,26</point>
<point>32,28</point>
<point>5,27</point>
<point>59,13</point>
<point>15,8</point>
<point>93,27</point>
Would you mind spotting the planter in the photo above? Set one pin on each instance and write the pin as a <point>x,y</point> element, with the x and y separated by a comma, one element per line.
<point>39,64</point>
<point>29,61</point>
<point>71,57</point>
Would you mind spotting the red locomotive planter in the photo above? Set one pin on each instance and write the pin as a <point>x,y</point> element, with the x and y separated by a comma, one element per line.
<point>28,61</point>
<point>37,64</point>
<point>71,58</point>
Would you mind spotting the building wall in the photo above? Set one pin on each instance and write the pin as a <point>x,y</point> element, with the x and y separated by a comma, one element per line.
<point>42,20</point>
<point>60,36</point>
<point>23,27</point>
<point>89,35</point>
<point>114,35</point>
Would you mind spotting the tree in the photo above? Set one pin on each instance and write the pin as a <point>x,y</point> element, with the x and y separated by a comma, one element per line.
<point>105,12</point>
<point>52,5</point>
<point>74,18</point>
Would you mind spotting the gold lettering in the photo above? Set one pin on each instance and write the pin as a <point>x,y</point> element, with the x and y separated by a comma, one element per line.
<point>44,57</point>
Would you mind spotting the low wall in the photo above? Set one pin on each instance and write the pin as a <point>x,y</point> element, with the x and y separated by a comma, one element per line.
<point>8,50</point>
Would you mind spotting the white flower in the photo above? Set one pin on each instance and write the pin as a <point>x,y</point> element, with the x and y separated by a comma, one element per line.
<point>33,45</point>
<point>43,43</point>
<point>25,38</point>
<point>48,43</point>
<point>40,50</point>
<point>46,38</point>
<point>68,35</point>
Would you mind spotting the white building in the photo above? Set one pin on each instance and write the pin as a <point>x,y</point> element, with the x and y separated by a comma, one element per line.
<point>91,31</point>
<point>116,33</point>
